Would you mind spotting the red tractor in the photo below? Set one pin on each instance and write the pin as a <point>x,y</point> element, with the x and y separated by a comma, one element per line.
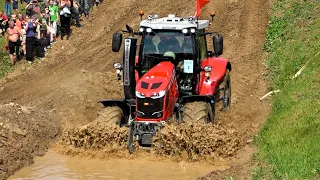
<point>171,75</point>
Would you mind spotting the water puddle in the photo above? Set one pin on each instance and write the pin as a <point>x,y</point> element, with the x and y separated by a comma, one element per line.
<point>55,166</point>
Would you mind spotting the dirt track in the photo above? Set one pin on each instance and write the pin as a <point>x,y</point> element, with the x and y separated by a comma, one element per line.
<point>79,72</point>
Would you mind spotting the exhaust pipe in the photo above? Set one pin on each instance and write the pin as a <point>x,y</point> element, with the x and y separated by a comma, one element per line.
<point>129,55</point>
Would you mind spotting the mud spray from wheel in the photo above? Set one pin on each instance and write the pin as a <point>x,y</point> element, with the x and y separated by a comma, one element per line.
<point>192,140</point>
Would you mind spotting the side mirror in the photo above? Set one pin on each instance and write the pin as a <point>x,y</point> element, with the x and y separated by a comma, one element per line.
<point>116,42</point>
<point>218,44</point>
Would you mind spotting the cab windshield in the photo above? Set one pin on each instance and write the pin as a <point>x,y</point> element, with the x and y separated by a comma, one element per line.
<point>160,42</point>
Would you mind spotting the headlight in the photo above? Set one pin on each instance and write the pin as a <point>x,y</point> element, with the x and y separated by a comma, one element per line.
<point>141,29</point>
<point>192,30</point>
<point>207,68</point>
<point>184,31</point>
<point>139,95</point>
<point>149,30</point>
<point>158,95</point>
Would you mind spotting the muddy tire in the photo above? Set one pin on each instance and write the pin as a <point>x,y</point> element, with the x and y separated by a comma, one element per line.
<point>227,92</point>
<point>201,112</point>
<point>111,115</point>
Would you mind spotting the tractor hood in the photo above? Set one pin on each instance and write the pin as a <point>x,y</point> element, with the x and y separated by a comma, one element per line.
<point>154,82</point>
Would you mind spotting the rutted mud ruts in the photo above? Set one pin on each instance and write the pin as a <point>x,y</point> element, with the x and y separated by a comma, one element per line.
<point>190,141</point>
<point>24,134</point>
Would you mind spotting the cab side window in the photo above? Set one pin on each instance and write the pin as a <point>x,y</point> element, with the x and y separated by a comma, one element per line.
<point>202,48</point>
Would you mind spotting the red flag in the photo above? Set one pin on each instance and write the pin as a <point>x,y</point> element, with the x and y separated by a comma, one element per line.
<point>200,4</point>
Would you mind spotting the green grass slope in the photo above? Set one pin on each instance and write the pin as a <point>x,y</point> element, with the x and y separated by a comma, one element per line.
<point>289,141</point>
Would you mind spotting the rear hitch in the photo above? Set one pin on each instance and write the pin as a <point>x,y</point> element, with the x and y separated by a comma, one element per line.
<point>143,133</point>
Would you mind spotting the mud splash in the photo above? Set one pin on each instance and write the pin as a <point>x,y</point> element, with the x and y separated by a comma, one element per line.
<point>188,141</point>
<point>24,133</point>
<point>197,141</point>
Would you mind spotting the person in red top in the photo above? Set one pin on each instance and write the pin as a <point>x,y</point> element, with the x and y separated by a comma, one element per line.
<point>19,24</point>
<point>12,40</point>
<point>3,22</point>
<point>3,15</point>
<point>19,21</point>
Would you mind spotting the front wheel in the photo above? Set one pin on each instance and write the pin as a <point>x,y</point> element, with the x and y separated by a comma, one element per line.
<point>199,111</point>
<point>111,115</point>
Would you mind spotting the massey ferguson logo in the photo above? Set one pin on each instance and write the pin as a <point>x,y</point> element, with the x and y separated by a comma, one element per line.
<point>126,62</point>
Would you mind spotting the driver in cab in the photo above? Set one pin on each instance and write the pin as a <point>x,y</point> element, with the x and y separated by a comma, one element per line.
<point>168,43</point>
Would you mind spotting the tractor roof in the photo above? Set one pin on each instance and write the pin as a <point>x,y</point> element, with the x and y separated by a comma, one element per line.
<point>172,22</point>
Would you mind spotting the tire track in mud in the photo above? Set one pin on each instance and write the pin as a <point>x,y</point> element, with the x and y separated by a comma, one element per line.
<point>76,74</point>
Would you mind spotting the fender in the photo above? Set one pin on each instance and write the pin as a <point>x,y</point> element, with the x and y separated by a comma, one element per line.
<point>209,85</point>
<point>193,98</point>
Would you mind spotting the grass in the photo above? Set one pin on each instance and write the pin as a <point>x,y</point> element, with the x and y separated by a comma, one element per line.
<point>289,141</point>
<point>5,67</point>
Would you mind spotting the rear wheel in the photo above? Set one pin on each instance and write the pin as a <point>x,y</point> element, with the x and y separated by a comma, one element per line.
<point>227,92</point>
<point>199,111</point>
<point>111,115</point>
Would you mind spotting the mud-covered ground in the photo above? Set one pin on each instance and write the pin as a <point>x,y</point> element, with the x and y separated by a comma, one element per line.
<point>24,134</point>
<point>78,73</point>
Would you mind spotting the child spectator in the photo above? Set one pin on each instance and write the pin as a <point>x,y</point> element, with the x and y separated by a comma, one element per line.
<point>54,19</point>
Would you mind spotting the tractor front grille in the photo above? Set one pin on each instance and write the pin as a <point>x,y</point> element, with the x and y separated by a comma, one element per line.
<point>149,108</point>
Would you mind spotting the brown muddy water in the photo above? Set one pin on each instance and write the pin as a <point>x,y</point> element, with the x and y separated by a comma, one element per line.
<point>55,166</point>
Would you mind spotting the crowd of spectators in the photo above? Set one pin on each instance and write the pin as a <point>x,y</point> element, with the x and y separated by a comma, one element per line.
<point>30,31</point>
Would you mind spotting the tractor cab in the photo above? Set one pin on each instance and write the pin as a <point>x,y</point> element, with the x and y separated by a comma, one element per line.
<point>177,40</point>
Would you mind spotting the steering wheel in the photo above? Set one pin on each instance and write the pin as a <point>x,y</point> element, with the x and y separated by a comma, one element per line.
<point>157,59</point>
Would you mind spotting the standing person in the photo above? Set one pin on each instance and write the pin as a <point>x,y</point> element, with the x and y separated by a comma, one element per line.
<point>65,17</point>
<point>84,7</point>
<point>20,20</point>
<point>15,6</point>
<point>33,10</point>
<point>8,8</point>
<point>3,22</point>
<point>13,40</point>
<point>19,24</point>
<point>54,19</point>
<point>30,38</point>
<point>75,10</point>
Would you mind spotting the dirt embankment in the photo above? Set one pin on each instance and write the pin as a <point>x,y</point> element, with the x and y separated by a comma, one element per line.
<point>24,134</point>
<point>78,73</point>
